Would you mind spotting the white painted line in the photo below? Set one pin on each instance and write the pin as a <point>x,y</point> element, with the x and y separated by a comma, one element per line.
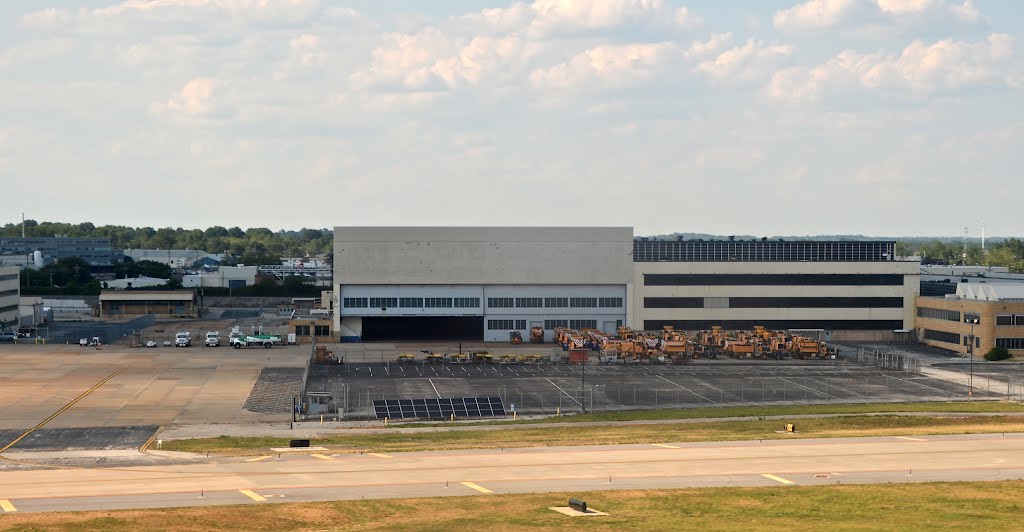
<point>777,479</point>
<point>7,506</point>
<point>908,438</point>
<point>322,456</point>
<point>563,391</point>
<point>380,455</point>
<point>686,389</point>
<point>257,459</point>
<point>471,485</point>
<point>665,445</point>
<point>808,388</point>
<point>252,495</point>
<point>431,381</point>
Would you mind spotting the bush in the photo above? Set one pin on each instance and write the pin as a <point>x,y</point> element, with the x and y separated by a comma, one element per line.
<point>997,353</point>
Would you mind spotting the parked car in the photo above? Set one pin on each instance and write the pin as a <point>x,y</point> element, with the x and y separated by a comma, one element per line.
<point>8,337</point>
<point>151,343</point>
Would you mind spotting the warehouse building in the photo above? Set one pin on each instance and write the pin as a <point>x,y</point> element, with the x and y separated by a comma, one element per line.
<point>478,283</point>
<point>482,283</point>
<point>161,303</point>
<point>990,314</point>
<point>10,298</point>
<point>95,251</point>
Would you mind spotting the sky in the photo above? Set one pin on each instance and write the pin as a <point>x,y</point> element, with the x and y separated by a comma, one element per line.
<point>763,117</point>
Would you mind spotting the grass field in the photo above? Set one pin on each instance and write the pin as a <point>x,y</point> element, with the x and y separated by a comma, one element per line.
<point>929,506</point>
<point>394,441</point>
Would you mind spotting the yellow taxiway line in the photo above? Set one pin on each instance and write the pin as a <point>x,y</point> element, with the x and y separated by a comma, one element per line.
<point>252,495</point>
<point>777,479</point>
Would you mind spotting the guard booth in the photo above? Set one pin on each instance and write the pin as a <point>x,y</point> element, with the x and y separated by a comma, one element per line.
<point>320,403</point>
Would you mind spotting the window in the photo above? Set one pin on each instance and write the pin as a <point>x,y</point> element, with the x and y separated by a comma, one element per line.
<point>583,302</point>
<point>500,325</point>
<point>383,302</point>
<point>739,325</point>
<point>938,314</point>
<point>673,302</point>
<point>772,279</point>
<point>942,336</point>
<point>815,302</point>
<point>1010,343</point>
<point>610,302</point>
<point>467,302</point>
<point>1005,319</point>
<point>582,324</point>
<point>554,324</point>
<point>649,250</point>
<point>354,302</point>
<point>437,302</point>
<point>500,302</point>
<point>556,302</point>
<point>521,324</point>
<point>302,330</point>
<point>529,302</point>
<point>410,302</point>
<point>321,330</point>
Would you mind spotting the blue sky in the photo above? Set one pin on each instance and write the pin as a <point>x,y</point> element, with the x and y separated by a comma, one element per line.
<point>878,117</point>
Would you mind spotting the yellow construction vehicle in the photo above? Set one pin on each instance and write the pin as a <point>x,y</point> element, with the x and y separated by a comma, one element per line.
<point>536,335</point>
<point>515,337</point>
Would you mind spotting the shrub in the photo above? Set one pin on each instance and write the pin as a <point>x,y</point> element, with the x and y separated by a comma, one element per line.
<point>997,353</point>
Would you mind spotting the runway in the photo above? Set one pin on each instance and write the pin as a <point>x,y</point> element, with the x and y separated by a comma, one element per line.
<point>323,476</point>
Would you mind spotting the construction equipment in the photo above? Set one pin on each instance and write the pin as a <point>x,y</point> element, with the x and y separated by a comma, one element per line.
<point>515,337</point>
<point>536,335</point>
<point>406,358</point>
<point>322,356</point>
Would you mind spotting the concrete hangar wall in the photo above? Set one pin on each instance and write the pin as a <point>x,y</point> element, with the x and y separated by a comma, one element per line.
<point>479,283</point>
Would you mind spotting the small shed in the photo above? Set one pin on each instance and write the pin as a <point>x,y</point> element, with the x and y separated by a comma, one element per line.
<point>161,303</point>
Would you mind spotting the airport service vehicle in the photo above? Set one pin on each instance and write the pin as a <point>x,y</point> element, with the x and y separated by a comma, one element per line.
<point>213,339</point>
<point>183,339</point>
<point>253,340</point>
<point>151,343</point>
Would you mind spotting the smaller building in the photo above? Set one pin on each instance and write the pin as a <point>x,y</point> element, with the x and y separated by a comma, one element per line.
<point>175,258</point>
<point>990,314</point>
<point>95,251</point>
<point>161,303</point>
<point>306,328</point>
<point>33,313</point>
<point>10,297</point>
<point>134,282</point>
<point>224,277</point>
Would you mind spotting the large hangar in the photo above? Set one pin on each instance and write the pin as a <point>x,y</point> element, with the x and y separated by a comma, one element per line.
<point>479,283</point>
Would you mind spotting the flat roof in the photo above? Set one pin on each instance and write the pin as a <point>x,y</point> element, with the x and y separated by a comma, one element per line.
<point>148,295</point>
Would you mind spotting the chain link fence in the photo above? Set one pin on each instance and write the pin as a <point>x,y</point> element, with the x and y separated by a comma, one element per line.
<point>107,332</point>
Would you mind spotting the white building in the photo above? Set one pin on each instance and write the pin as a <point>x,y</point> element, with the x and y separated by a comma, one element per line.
<point>175,258</point>
<point>134,282</point>
<point>10,297</point>
<point>224,277</point>
<point>478,283</point>
<point>483,282</point>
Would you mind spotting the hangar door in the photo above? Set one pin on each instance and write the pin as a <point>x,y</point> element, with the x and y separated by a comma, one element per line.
<point>406,328</point>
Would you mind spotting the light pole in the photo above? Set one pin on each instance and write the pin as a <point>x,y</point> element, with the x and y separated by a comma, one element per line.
<point>970,353</point>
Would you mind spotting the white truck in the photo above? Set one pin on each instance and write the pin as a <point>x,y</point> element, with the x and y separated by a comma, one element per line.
<point>183,339</point>
<point>213,339</point>
<point>253,340</point>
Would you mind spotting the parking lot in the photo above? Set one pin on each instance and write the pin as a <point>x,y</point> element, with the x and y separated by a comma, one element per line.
<point>548,388</point>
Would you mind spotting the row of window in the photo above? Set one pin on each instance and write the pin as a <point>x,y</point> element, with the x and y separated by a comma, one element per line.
<point>772,279</point>
<point>9,308</point>
<point>6,293</point>
<point>646,250</point>
<point>509,325</point>
<point>938,314</point>
<point>740,325</point>
<point>942,336</point>
<point>1010,319</point>
<point>9,277</point>
<point>554,302</point>
<point>318,330</point>
<point>1010,343</point>
<point>411,302</point>
<point>773,302</point>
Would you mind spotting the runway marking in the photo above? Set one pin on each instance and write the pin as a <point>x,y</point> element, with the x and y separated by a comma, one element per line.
<point>471,485</point>
<point>145,446</point>
<point>380,455</point>
<point>431,381</point>
<point>322,456</point>
<point>665,445</point>
<point>252,495</point>
<point>7,506</point>
<point>797,384</point>
<point>777,479</point>
<point>81,396</point>
<point>680,386</point>
<point>260,459</point>
<point>908,438</point>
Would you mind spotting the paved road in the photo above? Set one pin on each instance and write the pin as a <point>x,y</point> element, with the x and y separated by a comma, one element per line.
<point>312,477</point>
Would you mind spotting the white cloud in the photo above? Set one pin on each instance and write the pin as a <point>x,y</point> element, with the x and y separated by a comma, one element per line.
<point>610,65</point>
<point>920,68</point>
<point>195,99</point>
<point>46,19</point>
<point>751,62</point>
<point>818,15</point>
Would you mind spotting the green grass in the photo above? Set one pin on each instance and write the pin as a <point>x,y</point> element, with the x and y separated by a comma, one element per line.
<point>394,441</point>
<point>925,507</point>
<point>756,411</point>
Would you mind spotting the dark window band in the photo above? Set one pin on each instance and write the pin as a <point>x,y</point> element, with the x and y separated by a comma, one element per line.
<point>772,279</point>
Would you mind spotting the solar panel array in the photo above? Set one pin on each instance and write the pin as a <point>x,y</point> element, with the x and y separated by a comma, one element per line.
<point>439,408</point>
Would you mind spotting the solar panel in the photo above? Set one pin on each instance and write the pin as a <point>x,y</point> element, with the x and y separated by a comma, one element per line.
<point>443,408</point>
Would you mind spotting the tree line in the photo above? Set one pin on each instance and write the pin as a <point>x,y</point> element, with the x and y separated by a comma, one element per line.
<point>1007,252</point>
<point>257,243</point>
